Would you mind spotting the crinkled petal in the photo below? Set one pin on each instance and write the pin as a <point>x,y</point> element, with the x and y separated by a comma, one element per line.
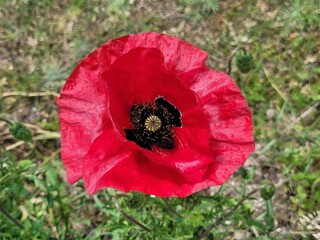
<point>82,109</point>
<point>106,152</point>
<point>229,117</point>
<point>179,56</point>
<point>109,163</point>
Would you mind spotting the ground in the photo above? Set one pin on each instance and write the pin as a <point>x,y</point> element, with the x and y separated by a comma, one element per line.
<point>43,40</point>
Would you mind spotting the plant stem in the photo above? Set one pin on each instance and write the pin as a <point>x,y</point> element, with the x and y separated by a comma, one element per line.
<point>231,58</point>
<point>6,120</point>
<point>227,214</point>
<point>12,219</point>
<point>26,94</point>
<point>48,135</point>
<point>269,215</point>
<point>170,207</point>
<point>127,216</point>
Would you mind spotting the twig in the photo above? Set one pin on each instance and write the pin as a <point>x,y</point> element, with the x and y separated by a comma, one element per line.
<point>26,94</point>
<point>170,207</point>
<point>297,232</point>
<point>48,135</point>
<point>37,128</point>
<point>304,114</point>
<point>5,120</point>
<point>275,86</point>
<point>231,58</point>
<point>52,223</point>
<point>127,216</point>
<point>12,219</point>
<point>14,145</point>
<point>227,214</point>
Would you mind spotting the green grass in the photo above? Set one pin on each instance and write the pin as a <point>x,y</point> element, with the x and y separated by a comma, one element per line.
<point>42,41</point>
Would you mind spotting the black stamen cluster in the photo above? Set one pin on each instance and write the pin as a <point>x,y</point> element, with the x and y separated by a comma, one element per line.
<point>163,137</point>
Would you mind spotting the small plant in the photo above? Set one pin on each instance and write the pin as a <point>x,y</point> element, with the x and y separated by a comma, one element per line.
<point>20,131</point>
<point>199,9</point>
<point>54,74</point>
<point>301,14</point>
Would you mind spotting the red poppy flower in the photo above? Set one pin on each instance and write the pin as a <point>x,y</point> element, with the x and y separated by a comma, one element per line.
<point>144,113</point>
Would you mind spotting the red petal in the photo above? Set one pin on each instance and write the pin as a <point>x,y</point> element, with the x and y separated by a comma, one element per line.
<point>229,157</point>
<point>179,56</point>
<point>177,93</point>
<point>134,77</point>
<point>107,151</point>
<point>82,107</point>
<point>109,163</point>
<point>229,117</point>
<point>192,155</point>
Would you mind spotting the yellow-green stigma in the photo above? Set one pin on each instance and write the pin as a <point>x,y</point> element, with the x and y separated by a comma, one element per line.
<point>152,123</point>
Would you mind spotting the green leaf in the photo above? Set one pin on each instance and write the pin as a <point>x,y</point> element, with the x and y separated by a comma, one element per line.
<point>267,191</point>
<point>269,219</point>
<point>25,164</point>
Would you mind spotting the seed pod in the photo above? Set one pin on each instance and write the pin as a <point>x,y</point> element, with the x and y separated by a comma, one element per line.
<point>244,61</point>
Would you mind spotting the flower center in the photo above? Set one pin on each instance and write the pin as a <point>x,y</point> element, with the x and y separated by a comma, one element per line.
<point>153,123</point>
